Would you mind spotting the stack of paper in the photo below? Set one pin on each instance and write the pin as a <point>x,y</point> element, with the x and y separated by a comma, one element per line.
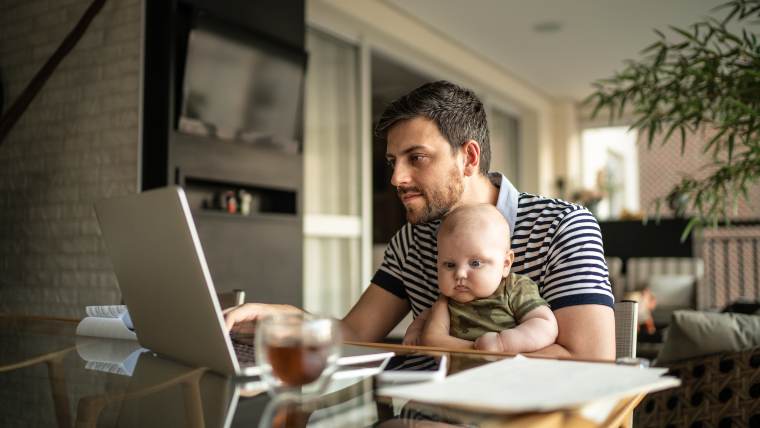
<point>110,321</point>
<point>520,384</point>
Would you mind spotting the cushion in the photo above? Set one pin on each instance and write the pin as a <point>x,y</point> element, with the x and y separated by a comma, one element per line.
<point>673,290</point>
<point>695,333</point>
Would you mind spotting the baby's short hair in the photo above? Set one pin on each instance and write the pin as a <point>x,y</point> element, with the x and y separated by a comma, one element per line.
<point>476,215</point>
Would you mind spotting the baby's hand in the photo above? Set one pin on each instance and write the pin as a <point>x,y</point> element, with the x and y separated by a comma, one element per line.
<point>490,342</point>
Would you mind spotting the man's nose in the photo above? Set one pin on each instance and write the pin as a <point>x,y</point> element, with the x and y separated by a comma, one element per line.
<point>400,175</point>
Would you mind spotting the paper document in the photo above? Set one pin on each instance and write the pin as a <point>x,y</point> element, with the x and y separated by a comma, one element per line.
<point>113,328</point>
<point>106,311</point>
<point>520,384</point>
<point>110,321</point>
<point>111,311</point>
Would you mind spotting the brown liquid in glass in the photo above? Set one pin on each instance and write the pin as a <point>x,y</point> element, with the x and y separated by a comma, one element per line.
<point>295,364</point>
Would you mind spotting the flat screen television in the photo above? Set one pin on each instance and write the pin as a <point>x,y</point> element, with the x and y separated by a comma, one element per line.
<point>242,89</point>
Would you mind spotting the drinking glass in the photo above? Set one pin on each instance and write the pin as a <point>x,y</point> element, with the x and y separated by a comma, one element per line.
<point>297,353</point>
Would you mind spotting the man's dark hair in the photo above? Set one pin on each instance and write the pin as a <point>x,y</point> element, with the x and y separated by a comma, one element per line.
<point>456,111</point>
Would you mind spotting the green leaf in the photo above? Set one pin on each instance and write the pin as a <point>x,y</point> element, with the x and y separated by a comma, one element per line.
<point>714,140</point>
<point>684,33</point>
<point>689,226</point>
<point>621,107</point>
<point>650,135</point>
<point>650,48</point>
<point>657,209</point>
<point>598,107</point>
<point>731,15</point>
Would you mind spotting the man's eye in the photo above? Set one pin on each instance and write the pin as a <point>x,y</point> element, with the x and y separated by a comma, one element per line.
<point>417,158</point>
<point>389,163</point>
<point>475,263</point>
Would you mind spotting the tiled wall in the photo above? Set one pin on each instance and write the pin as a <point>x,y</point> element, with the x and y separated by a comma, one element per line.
<point>77,143</point>
<point>661,167</point>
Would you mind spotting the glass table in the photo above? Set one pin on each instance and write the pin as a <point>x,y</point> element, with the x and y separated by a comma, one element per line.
<point>50,376</point>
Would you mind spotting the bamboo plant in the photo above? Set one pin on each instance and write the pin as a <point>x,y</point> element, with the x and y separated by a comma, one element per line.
<point>703,77</point>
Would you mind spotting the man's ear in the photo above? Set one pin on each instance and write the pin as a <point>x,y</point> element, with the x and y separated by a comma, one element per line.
<point>508,262</point>
<point>471,155</point>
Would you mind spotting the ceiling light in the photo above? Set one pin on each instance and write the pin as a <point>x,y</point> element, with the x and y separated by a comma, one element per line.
<point>547,27</point>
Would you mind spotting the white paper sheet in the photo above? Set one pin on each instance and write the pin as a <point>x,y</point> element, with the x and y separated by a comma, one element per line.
<point>520,384</point>
<point>112,328</point>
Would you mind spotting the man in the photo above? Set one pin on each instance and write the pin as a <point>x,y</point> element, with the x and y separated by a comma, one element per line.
<point>438,147</point>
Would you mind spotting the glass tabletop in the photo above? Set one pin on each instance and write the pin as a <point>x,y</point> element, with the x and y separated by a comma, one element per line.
<point>50,376</point>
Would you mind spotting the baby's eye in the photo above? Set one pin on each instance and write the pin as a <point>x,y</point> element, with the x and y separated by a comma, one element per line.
<point>476,263</point>
<point>448,265</point>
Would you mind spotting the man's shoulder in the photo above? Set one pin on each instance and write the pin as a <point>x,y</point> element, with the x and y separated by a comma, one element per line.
<point>530,202</point>
<point>541,209</point>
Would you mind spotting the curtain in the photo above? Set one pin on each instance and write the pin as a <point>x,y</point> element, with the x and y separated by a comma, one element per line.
<point>331,175</point>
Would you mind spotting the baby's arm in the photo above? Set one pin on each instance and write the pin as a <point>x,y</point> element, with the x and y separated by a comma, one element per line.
<point>436,332</point>
<point>536,330</point>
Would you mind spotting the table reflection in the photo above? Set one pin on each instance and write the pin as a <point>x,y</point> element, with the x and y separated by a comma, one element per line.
<point>51,377</point>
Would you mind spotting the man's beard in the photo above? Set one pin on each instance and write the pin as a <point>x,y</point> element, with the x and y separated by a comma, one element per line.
<point>438,201</point>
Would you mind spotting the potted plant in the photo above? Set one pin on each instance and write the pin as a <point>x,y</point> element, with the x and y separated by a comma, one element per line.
<point>704,77</point>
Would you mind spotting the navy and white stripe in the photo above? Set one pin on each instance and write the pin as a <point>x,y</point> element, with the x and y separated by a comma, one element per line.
<point>557,244</point>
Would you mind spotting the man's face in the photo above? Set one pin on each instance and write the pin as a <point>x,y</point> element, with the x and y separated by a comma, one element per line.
<point>471,263</point>
<point>426,174</point>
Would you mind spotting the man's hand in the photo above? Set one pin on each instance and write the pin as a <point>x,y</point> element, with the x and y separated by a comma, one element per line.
<point>242,319</point>
<point>413,335</point>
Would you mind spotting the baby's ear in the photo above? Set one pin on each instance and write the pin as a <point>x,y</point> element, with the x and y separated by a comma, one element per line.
<point>508,262</point>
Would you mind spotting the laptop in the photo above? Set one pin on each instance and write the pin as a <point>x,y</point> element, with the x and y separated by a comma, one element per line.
<point>166,284</point>
<point>165,281</point>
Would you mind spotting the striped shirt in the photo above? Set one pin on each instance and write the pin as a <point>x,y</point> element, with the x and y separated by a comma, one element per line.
<point>556,243</point>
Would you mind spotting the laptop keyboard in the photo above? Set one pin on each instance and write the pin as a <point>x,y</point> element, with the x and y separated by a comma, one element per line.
<point>245,352</point>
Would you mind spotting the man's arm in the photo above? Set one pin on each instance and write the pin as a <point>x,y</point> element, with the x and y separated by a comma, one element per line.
<point>585,332</point>
<point>370,320</point>
<point>576,278</point>
<point>436,332</point>
<point>374,315</point>
<point>536,330</point>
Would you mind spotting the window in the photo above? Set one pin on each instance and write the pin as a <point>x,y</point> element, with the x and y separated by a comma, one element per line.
<point>610,172</point>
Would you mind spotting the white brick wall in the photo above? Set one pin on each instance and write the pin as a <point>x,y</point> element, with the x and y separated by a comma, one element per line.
<point>77,143</point>
<point>661,167</point>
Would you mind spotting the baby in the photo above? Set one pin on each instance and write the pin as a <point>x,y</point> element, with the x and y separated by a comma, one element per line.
<point>481,304</point>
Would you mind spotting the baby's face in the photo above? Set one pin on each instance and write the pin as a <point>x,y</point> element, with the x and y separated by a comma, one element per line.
<point>471,264</point>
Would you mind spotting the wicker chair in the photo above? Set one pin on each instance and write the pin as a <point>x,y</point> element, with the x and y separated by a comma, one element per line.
<point>721,390</point>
